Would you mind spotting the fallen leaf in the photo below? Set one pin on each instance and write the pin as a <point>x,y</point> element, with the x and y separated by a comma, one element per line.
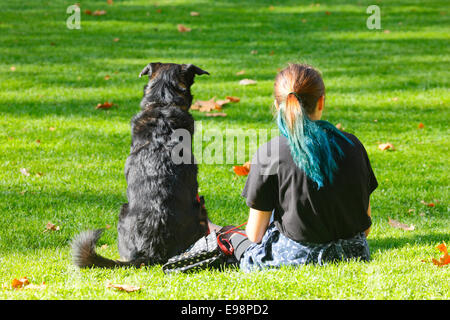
<point>182,28</point>
<point>399,225</point>
<point>206,105</point>
<point>104,246</point>
<point>445,259</point>
<point>39,174</point>
<point>246,82</point>
<point>108,226</point>
<point>51,227</point>
<point>38,141</point>
<point>194,14</point>
<point>17,284</point>
<point>254,52</point>
<point>105,105</point>
<point>51,129</point>
<point>421,125</point>
<point>339,126</point>
<point>215,114</point>
<point>428,204</point>
<point>116,39</point>
<point>12,68</point>
<point>242,170</point>
<point>123,287</point>
<point>327,13</point>
<point>233,99</point>
<point>221,103</point>
<point>99,13</point>
<point>240,73</point>
<point>107,77</point>
<point>304,20</point>
<point>387,31</point>
<point>89,12</point>
<point>110,2</point>
<point>386,146</point>
<point>25,172</point>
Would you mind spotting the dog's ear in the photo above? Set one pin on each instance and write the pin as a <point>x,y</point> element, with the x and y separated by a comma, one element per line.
<point>194,69</point>
<point>150,69</point>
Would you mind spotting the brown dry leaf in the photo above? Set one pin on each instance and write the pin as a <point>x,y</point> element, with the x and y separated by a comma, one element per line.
<point>12,68</point>
<point>51,129</point>
<point>89,12</point>
<point>386,146</point>
<point>17,284</point>
<point>421,125</point>
<point>246,82</point>
<point>242,170</point>
<point>399,225</point>
<point>110,2</point>
<point>206,105</point>
<point>25,172</point>
<point>233,99</point>
<point>327,13</point>
<point>116,39</point>
<point>194,14</point>
<point>182,28</point>
<point>99,13</point>
<point>107,77</point>
<point>340,127</point>
<point>51,227</point>
<point>39,174</point>
<point>428,204</point>
<point>123,287</point>
<point>215,114</point>
<point>105,105</point>
<point>240,73</point>
<point>221,103</point>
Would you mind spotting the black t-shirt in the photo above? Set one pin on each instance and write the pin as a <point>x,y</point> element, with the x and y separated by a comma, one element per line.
<point>302,211</point>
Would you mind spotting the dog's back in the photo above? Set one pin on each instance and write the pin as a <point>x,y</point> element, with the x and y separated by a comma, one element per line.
<point>164,214</point>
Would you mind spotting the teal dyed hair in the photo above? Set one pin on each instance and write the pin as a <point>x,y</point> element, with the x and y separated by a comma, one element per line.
<point>313,144</point>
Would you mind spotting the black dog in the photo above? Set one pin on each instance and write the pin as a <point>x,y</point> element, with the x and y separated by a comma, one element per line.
<point>164,214</point>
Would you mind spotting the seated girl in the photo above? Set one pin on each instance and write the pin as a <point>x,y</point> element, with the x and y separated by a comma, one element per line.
<point>308,189</point>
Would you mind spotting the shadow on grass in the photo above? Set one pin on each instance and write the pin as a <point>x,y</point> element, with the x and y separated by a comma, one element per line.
<point>389,243</point>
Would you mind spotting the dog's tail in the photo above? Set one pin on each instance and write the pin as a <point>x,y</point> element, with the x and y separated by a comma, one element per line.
<point>84,255</point>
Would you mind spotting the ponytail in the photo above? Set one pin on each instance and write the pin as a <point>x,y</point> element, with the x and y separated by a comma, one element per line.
<point>313,144</point>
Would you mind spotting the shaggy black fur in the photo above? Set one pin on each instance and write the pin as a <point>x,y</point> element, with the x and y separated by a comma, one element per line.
<point>163,216</point>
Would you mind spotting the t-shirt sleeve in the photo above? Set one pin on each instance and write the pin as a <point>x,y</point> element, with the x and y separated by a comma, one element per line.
<point>260,189</point>
<point>372,181</point>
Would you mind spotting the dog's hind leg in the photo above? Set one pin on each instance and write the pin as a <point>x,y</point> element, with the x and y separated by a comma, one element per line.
<point>125,243</point>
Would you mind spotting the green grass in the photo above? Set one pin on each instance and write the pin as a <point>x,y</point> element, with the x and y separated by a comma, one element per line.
<point>380,86</point>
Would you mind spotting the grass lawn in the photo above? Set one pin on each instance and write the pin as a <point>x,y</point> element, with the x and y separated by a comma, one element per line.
<point>380,85</point>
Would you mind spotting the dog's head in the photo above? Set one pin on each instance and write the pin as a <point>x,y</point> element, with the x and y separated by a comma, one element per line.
<point>169,84</point>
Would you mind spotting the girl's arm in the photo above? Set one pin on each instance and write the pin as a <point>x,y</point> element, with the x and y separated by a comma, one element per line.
<point>369,213</point>
<point>257,224</point>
